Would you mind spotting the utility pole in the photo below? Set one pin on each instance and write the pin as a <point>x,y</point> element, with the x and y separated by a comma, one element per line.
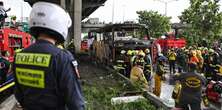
<point>113,6</point>
<point>166,4</point>
<point>21,11</point>
<point>124,12</point>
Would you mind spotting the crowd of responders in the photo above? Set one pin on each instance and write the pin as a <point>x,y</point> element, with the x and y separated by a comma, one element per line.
<point>207,60</point>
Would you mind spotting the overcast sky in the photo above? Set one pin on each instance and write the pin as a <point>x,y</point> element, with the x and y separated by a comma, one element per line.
<point>17,7</point>
<point>124,9</point>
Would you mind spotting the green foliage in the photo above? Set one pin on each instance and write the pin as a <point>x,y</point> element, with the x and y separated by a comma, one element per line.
<point>139,105</point>
<point>205,20</point>
<point>98,94</point>
<point>155,23</point>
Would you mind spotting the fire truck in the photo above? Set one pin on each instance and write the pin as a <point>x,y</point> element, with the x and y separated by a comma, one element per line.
<point>171,42</point>
<point>11,40</point>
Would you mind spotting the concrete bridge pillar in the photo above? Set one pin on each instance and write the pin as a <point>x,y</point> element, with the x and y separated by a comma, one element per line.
<point>77,18</point>
<point>63,3</point>
<point>75,10</point>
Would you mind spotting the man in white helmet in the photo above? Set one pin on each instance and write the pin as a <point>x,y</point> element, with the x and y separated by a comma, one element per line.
<point>45,75</point>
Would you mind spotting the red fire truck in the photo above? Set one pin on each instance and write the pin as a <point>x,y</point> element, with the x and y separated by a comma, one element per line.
<point>11,39</point>
<point>171,42</point>
<point>162,45</point>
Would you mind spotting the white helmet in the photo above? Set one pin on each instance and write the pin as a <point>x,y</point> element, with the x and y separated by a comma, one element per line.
<point>51,19</point>
<point>123,52</point>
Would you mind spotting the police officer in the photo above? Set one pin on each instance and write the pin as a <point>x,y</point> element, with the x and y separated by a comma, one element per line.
<point>191,91</point>
<point>45,75</point>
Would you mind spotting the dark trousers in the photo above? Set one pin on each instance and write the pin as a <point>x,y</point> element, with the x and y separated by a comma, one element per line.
<point>180,69</point>
<point>172,66</point>
<point>3,77</point>
<point>193,106</point>
<point>128,69</point>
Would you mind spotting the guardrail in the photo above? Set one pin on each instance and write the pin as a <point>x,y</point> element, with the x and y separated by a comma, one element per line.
<point>150,96</point>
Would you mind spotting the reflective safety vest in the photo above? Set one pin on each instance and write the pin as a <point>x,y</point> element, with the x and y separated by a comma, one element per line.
<point>132,60</point>
<point>137,76</point>
<point>176,92</point>
<point>172,56</point>
<point>29,76</point>
<point>160,70</point>
<point>120,64</point>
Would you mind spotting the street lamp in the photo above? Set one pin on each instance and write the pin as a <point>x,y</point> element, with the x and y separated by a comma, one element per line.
<point>166,4</point>
<point>113,9</point>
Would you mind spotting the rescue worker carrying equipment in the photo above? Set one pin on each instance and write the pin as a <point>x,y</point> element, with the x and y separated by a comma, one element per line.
<point>159,74</point>
<point>45,75</point>
<point>191,91</point>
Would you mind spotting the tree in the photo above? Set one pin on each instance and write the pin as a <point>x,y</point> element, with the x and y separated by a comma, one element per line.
<point>205,19</point>
<point>155,24</point>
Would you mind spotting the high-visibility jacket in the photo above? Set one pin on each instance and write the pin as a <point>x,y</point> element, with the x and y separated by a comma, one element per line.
<point>137,76</point>
<point>172,56</point>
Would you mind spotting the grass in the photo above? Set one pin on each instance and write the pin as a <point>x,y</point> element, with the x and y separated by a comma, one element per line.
<point>99,91</point>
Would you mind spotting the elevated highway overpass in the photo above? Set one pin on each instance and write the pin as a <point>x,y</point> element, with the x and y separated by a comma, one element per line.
<point>78,10</point>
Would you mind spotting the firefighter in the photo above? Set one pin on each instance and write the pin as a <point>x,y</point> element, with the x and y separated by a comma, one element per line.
<point>137,76</point>
<point>201,60</point>
<point>159,75</point>
<point>191,91</point>
<point>45,75</point>
<point>172,60</point>
<point>211,64</point>
<point>133,58</point>
<point>193,58</point>
<point>140,57</point>
<point>181,60</point>
<point>148,65</point>
<point>127,62</point>
<point>219,72</point>
<point>120,63</point>
<point>205,58</point>
<point>176,91</point>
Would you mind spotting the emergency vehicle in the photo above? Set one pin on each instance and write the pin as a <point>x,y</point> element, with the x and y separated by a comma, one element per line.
<point>113,38</point>
<point>10,41</point>
<point>170,41</point>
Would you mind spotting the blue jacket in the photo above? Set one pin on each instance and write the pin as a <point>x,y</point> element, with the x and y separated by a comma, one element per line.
<point>46,78</point>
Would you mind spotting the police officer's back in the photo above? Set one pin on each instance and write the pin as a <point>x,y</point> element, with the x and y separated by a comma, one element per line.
<point>45,75</point>
<point>192,83</point>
